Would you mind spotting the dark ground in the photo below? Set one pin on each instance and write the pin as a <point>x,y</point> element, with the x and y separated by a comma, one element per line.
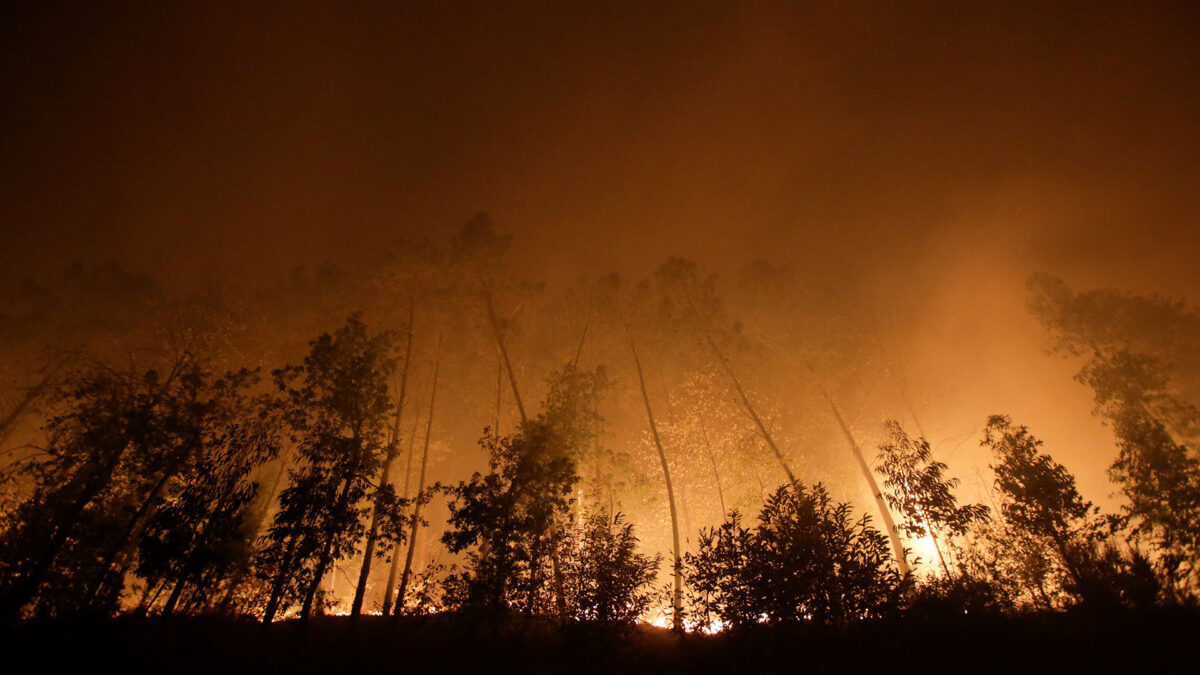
<point>1160,641</point>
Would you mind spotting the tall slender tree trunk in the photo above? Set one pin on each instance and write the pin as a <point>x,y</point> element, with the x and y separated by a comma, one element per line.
<point>123,548</point>
<point>884,513</point>
<point>13,418</point>
<point>712,458</point>
<point>22,592</point>
<point>499,387</point>
<point>326,557</point>
<point>173,599</point>
<point>512,377</point>
<point>677,566</point>
<point>416,515</point>
<point>384,472</point>
<point>560,600</point>
<point>282,577</point>
<point>938,549</point>
<point>763,431</point>
<point>394,570</point>
<point>750,409</point>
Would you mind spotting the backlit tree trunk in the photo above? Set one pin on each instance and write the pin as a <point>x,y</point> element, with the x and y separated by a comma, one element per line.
<point>677,566</point>
<point>884,513</point>
<point>385,471</point>
<point>394,570</point>
<point>416,516</point>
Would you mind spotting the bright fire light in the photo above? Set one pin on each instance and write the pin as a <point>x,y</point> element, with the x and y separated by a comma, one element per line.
<point>924,549</point>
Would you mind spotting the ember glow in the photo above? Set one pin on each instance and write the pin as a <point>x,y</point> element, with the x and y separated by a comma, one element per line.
<point>731,319</point>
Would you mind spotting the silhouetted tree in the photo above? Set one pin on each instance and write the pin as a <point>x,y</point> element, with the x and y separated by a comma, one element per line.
<point>806,559</point>
<point>119,443</point>
<point>1040,500</point>
<point>918,488</point>
<point>1161,480</point>
<point>511,520</point>
<point>338,408</point>
<point>415,521</point>
<point>1143,365</point>
<point>505,519</point>
<point>607,577</point>
<point>199,537</point>
<point>385,493</point>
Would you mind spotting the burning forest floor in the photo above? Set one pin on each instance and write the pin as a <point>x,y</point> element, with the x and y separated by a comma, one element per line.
<point>1154,641</point>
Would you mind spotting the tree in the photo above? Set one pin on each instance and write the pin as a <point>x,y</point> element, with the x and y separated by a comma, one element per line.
<point>505,521</point>
<point>119,443</point>
<point>677,558</point>
<point>608,578</point>
<point>1161,480</point>
<point>1039,494</point>
<point>416,509</point>
<point>1040,501</point>
<point>917,488</point>
<point>384,492</point>
<point>337,406</point>
<point>198,539</point>
<point>1143,366</point>
<point>807,559</point>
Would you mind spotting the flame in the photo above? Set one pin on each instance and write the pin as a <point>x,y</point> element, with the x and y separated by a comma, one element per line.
<point>923,548</point>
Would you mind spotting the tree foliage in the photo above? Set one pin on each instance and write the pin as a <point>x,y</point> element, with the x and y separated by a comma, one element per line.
<point>505,521</point>
<point>609,578</point>
<point>337,406</point>
<point>806,559</point>
<point>918,488</point>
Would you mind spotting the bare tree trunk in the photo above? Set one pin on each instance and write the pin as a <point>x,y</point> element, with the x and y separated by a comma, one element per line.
<point>716,473</point>
<point>326,558</point>
<point>559,590</point>
<point>282,577</point>
<point>394,570</point>
<point>173,599</point>
<point>884,513</point>
<point>123,548</point>
<point>384,472</point>
<point>11,420</point>
<point>749,407</point>
<point>938,549</point>
<point>677,566</point>
<point>416,516</point>
<point>512,378</point>
<point>499,386</point>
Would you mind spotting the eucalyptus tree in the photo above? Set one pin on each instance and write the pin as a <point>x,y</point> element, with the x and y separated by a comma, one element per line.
<point>807,558</point>
<point>384,492</point>
<point>677,557</point>
<point>338,411</point>
<point>119,443</point>
<point>199,540</point>
<point>415,521</point>
<point>1142,362</point>
<point>511,519</point>
<point>504,521</point>
<point>1039,499</point>
<point>919,490</point>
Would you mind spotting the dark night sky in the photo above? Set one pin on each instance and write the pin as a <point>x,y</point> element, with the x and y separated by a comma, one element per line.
<point>935,154</point>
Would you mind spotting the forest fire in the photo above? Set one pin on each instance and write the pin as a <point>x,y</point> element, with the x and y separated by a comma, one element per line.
<point>571,337</point>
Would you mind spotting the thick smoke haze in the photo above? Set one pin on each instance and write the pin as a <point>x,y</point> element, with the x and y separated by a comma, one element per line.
<point>929,157</point>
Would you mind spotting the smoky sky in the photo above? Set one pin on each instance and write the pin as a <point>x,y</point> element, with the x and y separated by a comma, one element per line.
<point>187,137</point>
<point>935,153</point>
